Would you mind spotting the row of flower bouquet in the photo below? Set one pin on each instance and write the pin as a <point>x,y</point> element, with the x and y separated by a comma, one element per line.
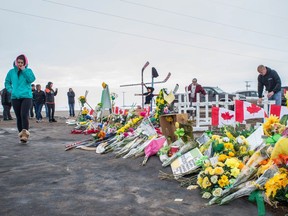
<point>231,163</point>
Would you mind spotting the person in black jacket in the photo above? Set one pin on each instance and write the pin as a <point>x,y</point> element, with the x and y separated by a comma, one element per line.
<point>6,103</point>
<point>39,100</point>
<point>71,102</point>
<point>148,95</point>
<point>50,101</point>
<point>272,82</point>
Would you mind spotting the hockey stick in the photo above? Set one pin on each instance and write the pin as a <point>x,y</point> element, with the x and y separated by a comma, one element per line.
<point>136,84</point>
<point>142,82</point>
<point>73,145</point>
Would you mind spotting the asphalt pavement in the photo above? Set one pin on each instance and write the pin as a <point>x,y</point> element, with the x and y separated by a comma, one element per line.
<point>40,178</point>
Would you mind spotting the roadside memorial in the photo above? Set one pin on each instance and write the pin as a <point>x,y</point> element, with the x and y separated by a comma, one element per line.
<point>229,161</point>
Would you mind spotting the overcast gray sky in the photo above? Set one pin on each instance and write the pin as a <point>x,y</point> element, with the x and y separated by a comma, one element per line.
<point>80,44</point>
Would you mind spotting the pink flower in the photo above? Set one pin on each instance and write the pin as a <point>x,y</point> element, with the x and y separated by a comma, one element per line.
<point>143,114</point>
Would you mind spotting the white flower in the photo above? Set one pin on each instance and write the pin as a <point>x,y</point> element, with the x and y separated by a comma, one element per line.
<point>206,195</point>
<point>214,179</point>
<point>225,139</point>
<point>217,192</point>
<point>239,140</point>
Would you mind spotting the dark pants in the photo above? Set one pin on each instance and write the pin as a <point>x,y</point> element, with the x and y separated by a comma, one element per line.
<point>6,112</point>
<point>31,109</point>
<point>46,110</point>
<point>71,109</point>
<point>21,108</point>
<point>38,110</point>
<point>51,111</point>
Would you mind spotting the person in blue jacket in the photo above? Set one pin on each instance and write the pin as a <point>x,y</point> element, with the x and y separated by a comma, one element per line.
<point>71,102</point>
<point>18,82</point>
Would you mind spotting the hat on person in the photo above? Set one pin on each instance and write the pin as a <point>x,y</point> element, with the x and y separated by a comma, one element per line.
<point>151,88</point>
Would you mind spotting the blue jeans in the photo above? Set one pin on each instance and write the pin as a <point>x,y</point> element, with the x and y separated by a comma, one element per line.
<point>71,109</point>
<point>38,110</point>
<point>277,98</point>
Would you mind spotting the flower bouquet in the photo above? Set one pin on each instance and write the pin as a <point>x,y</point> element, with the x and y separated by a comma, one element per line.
<point>82,100</point>
<point>160,105</point>
<point>183,149</point>
<point>251,185</point>
<point>276,188</point>
<point>248,172</point>
<point>214,178</point>
<point>273,126</point>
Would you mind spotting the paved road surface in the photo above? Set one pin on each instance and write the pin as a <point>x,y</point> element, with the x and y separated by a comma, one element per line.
<point>42,179</point>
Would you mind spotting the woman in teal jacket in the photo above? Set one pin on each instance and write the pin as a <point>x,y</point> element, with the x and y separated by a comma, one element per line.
<point>18,82</point>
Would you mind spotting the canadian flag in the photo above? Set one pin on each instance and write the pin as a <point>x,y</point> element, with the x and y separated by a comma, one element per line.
<point>115,109</point>
<point>278,110</point>
<point>245,110</point>
<point>221,116</point>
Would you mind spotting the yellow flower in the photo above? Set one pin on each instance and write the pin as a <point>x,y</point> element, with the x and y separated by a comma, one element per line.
<point>232,162</point>
<point>206,183</point>
<point>215,137</point>
<point>104,85</point>
<point>169,119</point>
<point>235,172</point>
<point>162,101</point>
<point>231,154</point>
<point>267,126</point>
<point>229,146</point>
<point>199,180</point>
<point>222,157</point>
<point>229,135</point>
<point>241,165</point>
<point>220,164</point>
<point>243,149</point>
<point>278,182</point>
<point>209,170</point>
<point>218,171</point>
<point>177,125</point>
<point>223,181</point>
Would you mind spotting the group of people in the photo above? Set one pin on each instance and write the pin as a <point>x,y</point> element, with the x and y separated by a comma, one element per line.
<point>17,93</point>
<point>41,98</point>
<point>267,78</point>
<point>23,96</point>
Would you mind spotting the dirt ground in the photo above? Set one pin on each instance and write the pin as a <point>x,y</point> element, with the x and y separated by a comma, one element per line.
<point>40,178</point>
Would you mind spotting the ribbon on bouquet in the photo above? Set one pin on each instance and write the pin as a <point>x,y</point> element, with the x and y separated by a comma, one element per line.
<point>258,197</point>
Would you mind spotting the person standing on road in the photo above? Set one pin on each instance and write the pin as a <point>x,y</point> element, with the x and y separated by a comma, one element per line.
<point>33,102</point>
<point>71,102</point>
<point>6,103</point>
<point>272,82</point>
<point>18,81</point>
<point>39,100</point>
<point>50,101</point>
<point>193,89</point>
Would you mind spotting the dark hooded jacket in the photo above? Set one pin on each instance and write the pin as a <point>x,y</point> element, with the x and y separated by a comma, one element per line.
<point>50,93</point>
<point>5,97</point>
<point>270,80</point>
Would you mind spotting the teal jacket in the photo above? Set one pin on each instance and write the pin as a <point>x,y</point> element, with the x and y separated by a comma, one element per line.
<point>19,86</point>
